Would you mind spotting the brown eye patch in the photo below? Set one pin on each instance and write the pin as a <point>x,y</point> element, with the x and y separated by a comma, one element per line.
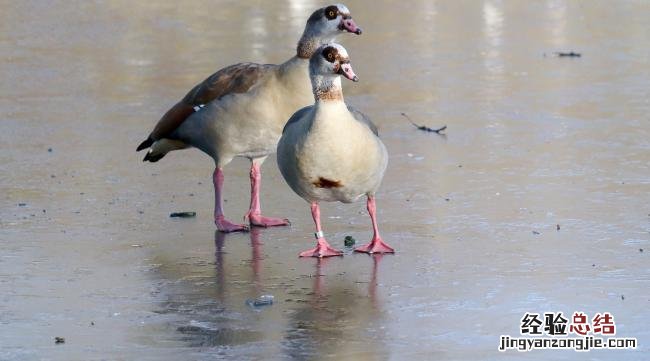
<point>331,12</point>
<point>330,54</point>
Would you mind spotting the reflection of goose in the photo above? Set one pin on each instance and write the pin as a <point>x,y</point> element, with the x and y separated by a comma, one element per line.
<point>218,323</point>
<point>332,152</point>
<point>203,298</point>
<point>240,110</point>
<point>255,262</point>
<point>333,321</point>
<point>319,313</point>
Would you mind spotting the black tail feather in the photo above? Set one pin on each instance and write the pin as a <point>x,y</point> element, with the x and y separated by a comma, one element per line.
<point>152,158</point>
<point>146,144</point>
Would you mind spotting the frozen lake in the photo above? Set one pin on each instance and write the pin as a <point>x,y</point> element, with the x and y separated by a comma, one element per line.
<point>534,141</point>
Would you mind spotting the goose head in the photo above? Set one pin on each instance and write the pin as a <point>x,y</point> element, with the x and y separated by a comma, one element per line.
<point>330,61</point>
<point>329,21</point>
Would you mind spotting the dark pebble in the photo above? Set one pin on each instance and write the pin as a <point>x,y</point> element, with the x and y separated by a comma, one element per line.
<point>22,204</point>
<point>58,340</point>
<point>191,329</point>
<point>183,214</point>
<point>623,297</point>
<point>49,150</point>
<point>535,232</point>
<point>557,227</point>
<point>641,250</point>
<point>349,241</point>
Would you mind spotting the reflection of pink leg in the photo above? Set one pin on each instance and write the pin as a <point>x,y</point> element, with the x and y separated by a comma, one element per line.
<point>372,287</point>
<point>256,258</point>
<point>319,280</point>
<point>220,220</point>
<point>254,214</point>
<point>323,249</point>
<point>376,245</point>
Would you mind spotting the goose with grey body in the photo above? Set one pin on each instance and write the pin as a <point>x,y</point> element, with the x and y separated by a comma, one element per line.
<point>332,152</point>
<point>240,111</point>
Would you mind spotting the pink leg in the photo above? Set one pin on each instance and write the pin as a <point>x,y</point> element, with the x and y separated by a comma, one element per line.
<point>220,220</point>
<point>323,249</point>
<point>254,214</point>
<point>376,245</point>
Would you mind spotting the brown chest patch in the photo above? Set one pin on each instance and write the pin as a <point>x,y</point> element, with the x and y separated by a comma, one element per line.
<point>332,93</point>
<point>327,183</point>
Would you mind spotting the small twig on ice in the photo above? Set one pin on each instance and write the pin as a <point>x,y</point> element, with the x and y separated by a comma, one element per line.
<point>425,128</point>
<point>570,54</point>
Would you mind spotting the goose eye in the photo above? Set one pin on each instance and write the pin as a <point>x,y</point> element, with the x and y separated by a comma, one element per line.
<point>329,54</point>
<point>331,12</point>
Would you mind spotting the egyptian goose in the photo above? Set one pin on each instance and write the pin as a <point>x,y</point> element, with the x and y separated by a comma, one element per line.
<point>240,111</point>
<point>332,152</point>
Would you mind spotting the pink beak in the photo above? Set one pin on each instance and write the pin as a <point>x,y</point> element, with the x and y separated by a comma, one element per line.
<point>349,25</point>
<point>346,71</point>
